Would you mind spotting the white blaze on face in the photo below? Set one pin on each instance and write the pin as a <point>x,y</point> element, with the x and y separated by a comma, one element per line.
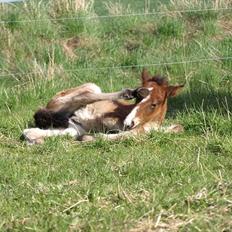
<point>131,120</point>
<point>131,117</point>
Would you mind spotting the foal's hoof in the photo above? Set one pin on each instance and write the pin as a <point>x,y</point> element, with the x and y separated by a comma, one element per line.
<point>128,94</point>
<point>176,128</point>
<point>86,138</point>
<point>32,136</point>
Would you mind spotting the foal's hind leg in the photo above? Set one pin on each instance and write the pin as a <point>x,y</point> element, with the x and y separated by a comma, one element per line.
<point>37,135</point>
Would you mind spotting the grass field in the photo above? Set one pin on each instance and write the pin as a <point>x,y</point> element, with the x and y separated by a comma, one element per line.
<point>157,182</point>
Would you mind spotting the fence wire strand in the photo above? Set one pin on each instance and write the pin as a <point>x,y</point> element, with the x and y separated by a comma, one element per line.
<point>115,16</point>
<point>128,66</point>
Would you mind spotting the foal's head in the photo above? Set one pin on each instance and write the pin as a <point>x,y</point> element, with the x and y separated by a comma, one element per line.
<point>152,101</point>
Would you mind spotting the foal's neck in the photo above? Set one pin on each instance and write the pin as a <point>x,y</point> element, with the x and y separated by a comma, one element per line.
<point>121,110</point>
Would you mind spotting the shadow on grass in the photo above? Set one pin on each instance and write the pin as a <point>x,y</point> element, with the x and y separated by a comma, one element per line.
<point>201,100</point>
<point>203,111</point>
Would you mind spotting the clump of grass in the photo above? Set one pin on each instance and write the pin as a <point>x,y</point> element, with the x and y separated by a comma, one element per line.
<point>170,28</point>
<point>12,21</point>
<point>216,147</point>
<point>209,28</point>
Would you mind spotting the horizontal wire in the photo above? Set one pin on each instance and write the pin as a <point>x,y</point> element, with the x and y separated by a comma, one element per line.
<point>114,16</point>
<point>131,66</point>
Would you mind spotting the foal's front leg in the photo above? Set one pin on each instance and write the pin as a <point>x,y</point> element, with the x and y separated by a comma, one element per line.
<point>91,97</point>
<point>73,99</point>
<point>145,129</point>
<point>175,128</point>
<point>121,135</point>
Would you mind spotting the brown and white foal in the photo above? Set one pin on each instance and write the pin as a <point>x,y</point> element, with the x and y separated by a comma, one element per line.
<point>79,111</point>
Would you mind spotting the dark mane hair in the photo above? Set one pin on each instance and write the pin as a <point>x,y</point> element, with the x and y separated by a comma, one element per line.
<point>160,80</point>
<point>45,118</point>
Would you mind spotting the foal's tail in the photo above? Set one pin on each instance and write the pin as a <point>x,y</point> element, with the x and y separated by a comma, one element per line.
<point>45,118</point>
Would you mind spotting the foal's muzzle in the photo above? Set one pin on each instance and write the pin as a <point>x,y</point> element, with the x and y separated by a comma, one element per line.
<point>129,126</point>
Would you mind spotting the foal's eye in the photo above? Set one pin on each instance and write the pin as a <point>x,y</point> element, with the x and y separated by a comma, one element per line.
<point>153,105</point>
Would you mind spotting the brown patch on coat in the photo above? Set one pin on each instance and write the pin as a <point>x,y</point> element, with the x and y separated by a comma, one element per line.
<point>121,111</point>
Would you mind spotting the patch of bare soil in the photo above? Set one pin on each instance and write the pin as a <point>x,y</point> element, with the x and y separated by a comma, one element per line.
<point>71,44</point>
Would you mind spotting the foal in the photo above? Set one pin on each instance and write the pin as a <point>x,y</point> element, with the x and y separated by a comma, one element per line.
<point>110,116</point>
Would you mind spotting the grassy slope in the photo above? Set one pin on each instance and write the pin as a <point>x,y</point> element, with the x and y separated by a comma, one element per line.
<point>175,181</point>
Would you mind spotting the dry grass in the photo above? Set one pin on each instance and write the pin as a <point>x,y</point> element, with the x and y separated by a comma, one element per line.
<point>74,5</point>
<point>226,25</point>
<point>71,6</point>
<point>179,5</point>
<point>198,4</point>
<point>47,71</point>
<point>162,223</point>
<point>116,8</point>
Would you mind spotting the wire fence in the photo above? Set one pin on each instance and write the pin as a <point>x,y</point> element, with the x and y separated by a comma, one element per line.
<point>128,66</point>
<point>94,17</point>
<point>205,59</point>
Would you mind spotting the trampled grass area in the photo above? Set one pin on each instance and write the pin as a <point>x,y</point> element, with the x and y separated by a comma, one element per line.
<point>157,182</point>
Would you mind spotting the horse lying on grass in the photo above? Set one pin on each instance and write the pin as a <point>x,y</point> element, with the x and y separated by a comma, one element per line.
<point>77,112</point>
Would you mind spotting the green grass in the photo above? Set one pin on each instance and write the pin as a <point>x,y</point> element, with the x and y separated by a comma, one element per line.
<point>158,181</point>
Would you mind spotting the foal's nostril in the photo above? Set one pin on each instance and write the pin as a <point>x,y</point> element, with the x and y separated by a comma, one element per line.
<point>132,124</point>
<point>129,126</point>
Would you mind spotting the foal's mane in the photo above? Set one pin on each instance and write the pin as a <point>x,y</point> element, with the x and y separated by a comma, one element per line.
<point>160,80</point>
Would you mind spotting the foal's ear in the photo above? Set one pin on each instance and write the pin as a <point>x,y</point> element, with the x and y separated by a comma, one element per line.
<point>145,76</point>
<point>174,90</point>
<point>142,92</point>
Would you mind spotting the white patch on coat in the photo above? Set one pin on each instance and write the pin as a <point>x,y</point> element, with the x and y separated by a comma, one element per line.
<point>84,114</point>
<point>93,87</point>
<point>131,117</point>
<point>33,134</point>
